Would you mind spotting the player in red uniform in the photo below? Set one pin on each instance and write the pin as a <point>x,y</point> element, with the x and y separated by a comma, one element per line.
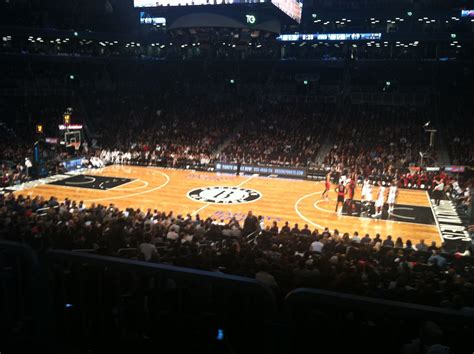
<point>349,202</point>
<point>327,185</point>
<point>352,186</point>
<point>341,192</point>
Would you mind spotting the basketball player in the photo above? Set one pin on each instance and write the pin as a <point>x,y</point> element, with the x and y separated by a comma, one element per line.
<point>341,192</point>
<point>392,196</point>
<point>380,201</point>
<point>343,179</point>
<point>327,186</point>
<point>351,187</point>
<point>367,199</point>
<point>365,189</point>
<point>368,194</point>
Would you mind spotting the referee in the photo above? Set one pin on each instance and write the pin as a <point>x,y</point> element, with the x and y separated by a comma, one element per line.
<point>438,191</point>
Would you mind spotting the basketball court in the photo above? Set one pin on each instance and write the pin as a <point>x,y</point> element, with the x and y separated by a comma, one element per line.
<point>222,196</point>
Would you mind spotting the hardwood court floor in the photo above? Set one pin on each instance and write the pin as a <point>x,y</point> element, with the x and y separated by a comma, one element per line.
<point>296,201</point>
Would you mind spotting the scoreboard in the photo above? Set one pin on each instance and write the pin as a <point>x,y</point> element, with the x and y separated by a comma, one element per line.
<point>156,3</point>
<point>292,8</point>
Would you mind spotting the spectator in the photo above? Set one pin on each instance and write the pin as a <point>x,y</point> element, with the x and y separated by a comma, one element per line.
<point>421,246</point>
<point>147,249</point>
<point>316,246</point>
<point>437,260</point>
<point>433,246</point>
<point>356,237</point>
<point>388,242</point>
<point>399,243</point>
<point>250,224</point>
<point>366,239</point>
<point>172,234</point>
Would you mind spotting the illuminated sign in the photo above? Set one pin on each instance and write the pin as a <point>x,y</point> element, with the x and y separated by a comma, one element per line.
<point>467,13</point>
<point>457,169</point>
<point>71,165</point>
<point>262,170</point>
<point>70,127</point>
<point>158,3</point>
<point>251,19</point>
<point>146,19</point>
<point>329,37</point>
<point>292,8</point>
<point>51,140</point>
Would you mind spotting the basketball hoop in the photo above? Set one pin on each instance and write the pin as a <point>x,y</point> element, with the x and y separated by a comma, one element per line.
<point>75,145</point>
<point>73,138</point>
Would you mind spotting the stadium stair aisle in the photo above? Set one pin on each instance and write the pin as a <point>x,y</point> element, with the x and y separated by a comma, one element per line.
<point>328,142</point>
<point>442,151</point>
<point>88,125</point>
<point>228,140</point>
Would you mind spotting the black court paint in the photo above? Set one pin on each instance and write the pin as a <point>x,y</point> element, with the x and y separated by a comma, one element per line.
<point>406,213</point>
<point>92,182</point>
<point>452,224</point>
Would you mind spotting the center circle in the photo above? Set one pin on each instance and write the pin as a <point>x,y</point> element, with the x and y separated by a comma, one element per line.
<point>224,195</point>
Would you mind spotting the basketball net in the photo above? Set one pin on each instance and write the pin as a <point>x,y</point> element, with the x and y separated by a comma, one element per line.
<point>76,145</point>
<point>414,169</point>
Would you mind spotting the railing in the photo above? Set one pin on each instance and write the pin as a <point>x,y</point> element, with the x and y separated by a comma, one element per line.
<point>21,299</point>
<point>402,99</point>
<point>359,324</point>
<point>97,299</point>
<point>82,302</point>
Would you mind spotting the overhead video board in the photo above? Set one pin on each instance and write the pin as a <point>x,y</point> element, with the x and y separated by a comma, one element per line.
<point>292,8</point>
<point>158,3</point>
<point>329,37</point>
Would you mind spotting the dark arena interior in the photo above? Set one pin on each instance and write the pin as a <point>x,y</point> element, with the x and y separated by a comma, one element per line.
<point>236,176</point>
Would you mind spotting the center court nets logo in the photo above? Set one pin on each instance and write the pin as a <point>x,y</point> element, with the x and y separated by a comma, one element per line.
<point>224,195</point>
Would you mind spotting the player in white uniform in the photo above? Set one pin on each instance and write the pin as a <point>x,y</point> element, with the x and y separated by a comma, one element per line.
<point>392,196</point>
<point>366,198</point>
<point>365,189</point>
<point>343,180</point>
<point>380,201</point>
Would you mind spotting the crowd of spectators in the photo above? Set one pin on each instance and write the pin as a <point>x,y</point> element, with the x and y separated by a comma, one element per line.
<point>13,166</point>
<point>194,119</point>
<point>460,194</point>
<point>11,174</point>
<point>460,142</point>
<point>280,134</point>
<point>151,132</point>
<point>380,141</point>
<point>281,256</point>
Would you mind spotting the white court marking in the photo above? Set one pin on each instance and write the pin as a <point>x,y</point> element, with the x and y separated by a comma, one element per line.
<point>304,217</point>
<point>119,188</point>
<point>91,180</point>
<point>364,218</point>
<point>434,216</point>
<point>135,194</point>
<point>401,216</point>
